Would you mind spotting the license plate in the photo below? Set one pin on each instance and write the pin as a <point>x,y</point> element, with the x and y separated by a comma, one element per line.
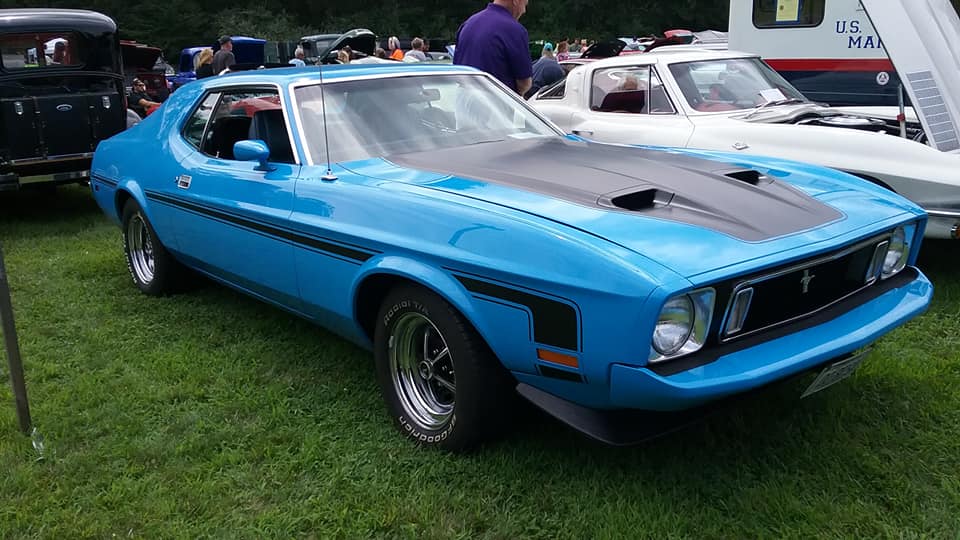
<point>835,373</point>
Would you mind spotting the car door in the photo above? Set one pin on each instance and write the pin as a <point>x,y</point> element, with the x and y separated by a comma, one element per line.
<point>629,105</point>
<point>234,219</point>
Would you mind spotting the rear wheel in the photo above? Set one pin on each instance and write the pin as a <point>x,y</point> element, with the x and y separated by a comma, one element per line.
<point>153,269</point>
<point>441,383</point>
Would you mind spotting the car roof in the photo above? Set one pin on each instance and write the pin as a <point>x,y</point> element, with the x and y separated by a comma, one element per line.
<point>38,20</point>
<point>669,55</point>
<point>286,75</point>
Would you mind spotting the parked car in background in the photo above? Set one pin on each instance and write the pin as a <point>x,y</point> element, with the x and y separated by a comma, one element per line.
<point>61,93</point>
<point>322,48</point>
<point>248,52</point>
<point>686,96</point>
<point>141,62</point>
<point>480,252</point>
<point>186,67</point>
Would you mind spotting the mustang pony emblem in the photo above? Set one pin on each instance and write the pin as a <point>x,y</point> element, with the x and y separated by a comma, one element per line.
<point>806,279</point>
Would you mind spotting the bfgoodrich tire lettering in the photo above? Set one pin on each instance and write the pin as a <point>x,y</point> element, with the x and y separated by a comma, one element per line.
<point>153,269</point>
<point>442,385</point>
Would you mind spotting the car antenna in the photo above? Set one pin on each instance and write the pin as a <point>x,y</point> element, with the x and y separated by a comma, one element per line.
<point>329,177</point>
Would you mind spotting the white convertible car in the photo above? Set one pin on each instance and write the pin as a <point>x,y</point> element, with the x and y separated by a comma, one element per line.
<point>684,97</point>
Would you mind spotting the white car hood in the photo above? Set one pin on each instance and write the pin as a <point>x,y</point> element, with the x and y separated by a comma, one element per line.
<point>922,39</point>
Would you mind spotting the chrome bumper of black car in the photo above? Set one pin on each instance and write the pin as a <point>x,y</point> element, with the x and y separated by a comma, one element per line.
<point>13,182</point>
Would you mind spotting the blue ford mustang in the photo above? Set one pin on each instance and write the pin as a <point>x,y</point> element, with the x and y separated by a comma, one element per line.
<point>482,254</point>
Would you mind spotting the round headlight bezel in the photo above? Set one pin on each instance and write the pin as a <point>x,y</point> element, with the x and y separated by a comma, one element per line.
<point>677,313</point>
<point>898,250</point>
<point>696,311</point>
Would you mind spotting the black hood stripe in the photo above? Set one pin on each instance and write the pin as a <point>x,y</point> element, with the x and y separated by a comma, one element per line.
<point>643,182</point>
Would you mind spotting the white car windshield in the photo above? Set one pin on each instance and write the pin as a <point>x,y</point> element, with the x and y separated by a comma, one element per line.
<point>386,116</point>
<point>732,84</point>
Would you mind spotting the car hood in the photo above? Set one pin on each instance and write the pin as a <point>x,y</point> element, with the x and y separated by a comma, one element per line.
<point>690,214</point>
<point>358,39</point>
<point>604,49</point>
<point>923,41</point>
<point>139,56</point>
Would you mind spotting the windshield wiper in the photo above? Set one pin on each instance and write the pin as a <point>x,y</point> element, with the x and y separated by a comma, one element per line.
<point>774,103</point>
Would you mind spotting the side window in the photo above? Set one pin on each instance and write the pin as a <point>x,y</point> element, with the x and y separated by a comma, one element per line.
<point>658,100</point>
<point>246,114</point>
<point>193,129</point>
<point>557,91</point>
<point>787,13</point>
<point>621,90</point>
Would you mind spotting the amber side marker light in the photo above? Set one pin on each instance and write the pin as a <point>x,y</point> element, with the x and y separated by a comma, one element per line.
<point>955,232</point>
<point>557,358</point>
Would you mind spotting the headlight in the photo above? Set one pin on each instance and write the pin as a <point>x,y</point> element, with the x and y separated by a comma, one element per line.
<point>674,325</point>
<point>897,252</point>
<point>682,325</point>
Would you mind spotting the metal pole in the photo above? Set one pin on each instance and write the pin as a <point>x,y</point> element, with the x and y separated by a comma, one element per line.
<point>902,116</point>
<point>13,350</point>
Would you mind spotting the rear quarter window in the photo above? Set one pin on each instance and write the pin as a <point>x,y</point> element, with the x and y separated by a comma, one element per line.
<point>197,123</point>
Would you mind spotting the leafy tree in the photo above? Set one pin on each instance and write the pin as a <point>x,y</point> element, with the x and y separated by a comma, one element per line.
<point>182,23</point>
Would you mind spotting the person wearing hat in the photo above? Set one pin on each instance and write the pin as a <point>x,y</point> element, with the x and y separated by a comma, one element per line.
<point>546,70</point>
<point>224,57</point>
<point>139,100</point>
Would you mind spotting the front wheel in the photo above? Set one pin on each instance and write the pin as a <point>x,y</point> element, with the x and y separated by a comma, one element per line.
<point>153,269</point>
<point>442,385</point>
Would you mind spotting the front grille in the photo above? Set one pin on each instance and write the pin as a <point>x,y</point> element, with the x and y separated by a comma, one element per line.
<point>789,293</point>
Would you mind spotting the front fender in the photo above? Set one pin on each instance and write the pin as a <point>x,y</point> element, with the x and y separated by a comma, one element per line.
<point>510,327</point>
<point>427,276</point>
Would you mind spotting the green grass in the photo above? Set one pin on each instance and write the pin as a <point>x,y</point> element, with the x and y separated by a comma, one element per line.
<point>208,414</point>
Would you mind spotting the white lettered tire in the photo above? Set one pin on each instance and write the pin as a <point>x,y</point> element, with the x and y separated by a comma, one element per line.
<point>442,385</point>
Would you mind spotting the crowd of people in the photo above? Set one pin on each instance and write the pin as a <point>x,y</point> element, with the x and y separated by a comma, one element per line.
<point>491,40</point>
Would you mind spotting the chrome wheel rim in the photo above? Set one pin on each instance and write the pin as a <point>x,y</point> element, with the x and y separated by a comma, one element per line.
<point>421,368</point>
<point>140,249</point>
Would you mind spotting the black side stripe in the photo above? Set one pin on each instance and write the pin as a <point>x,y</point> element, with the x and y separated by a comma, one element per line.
<point>554,323</point>
<point>288,235</point>
<point>103,180</point>
<point>555,373</point>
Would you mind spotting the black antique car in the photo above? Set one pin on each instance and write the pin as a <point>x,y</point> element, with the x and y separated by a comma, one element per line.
<point>61,93</point>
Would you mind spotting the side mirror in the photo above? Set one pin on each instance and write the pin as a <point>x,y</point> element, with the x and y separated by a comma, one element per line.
<point>253,150</point>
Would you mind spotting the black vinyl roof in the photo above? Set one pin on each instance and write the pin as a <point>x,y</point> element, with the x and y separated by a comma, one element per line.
<point>42,20</point>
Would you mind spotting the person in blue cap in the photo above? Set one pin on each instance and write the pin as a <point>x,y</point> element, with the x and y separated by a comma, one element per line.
<point>546,70</point>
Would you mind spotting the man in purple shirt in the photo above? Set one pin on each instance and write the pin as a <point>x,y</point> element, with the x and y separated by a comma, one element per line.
<point>493,40</point>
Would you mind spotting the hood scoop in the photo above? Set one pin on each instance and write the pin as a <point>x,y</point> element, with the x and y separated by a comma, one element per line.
<point>749,176</point>
<point>637,201</point>
<point>635,182</point>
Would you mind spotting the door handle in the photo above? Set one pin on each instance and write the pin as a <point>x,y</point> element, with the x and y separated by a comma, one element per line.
<point>583,132</point>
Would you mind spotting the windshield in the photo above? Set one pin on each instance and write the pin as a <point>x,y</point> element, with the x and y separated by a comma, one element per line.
<point>732,84</point>
<point>382,117</point>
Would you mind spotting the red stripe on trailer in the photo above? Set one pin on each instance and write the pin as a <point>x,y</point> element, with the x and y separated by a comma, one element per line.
<point>831,64</point>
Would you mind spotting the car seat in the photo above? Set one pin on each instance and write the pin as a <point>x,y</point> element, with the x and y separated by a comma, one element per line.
<point>269,127</point>
<point>631,101</point>
<point>226,131</point>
